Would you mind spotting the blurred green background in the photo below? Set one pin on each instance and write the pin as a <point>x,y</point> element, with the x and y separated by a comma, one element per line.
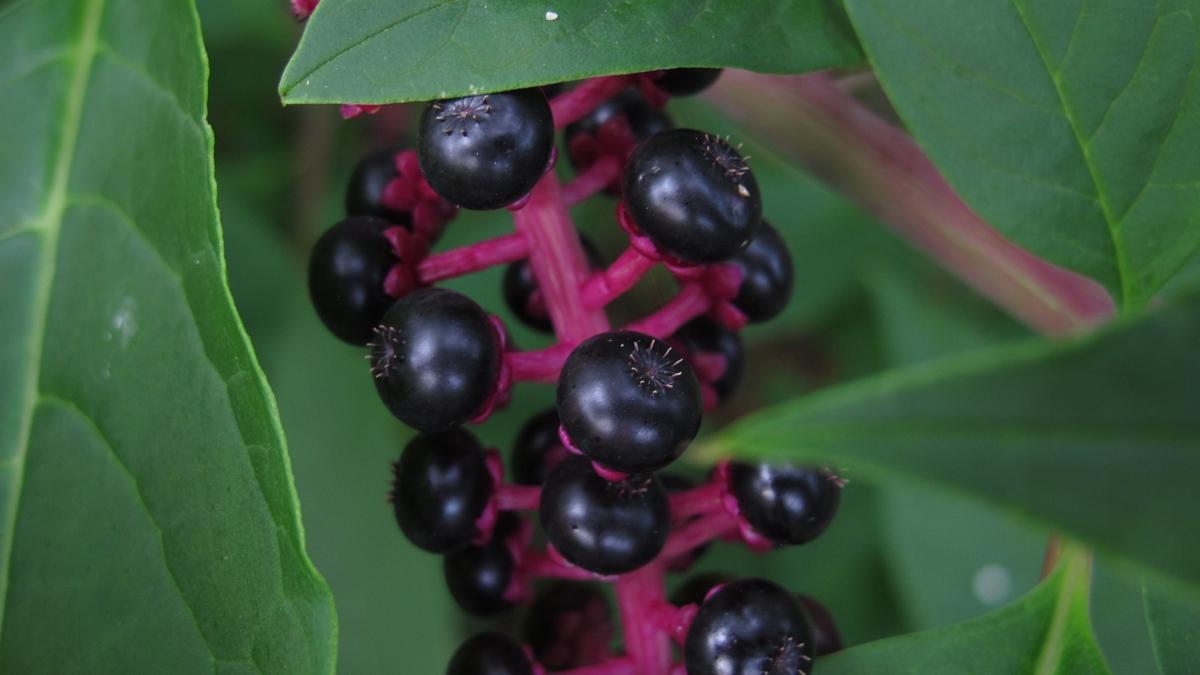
<point>894,561</point>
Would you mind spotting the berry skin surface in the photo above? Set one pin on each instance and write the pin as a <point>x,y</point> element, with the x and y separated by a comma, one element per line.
<point>485,152</point>
<point>478,576</point>
<point>767,276</point>
<point>442,485</point>
<point>537,449</point>
<point>687,81</point>
<point>364,193</point>
<point>629,401</point>
<point>705,336</point>
<point>603,526</point>
<point>787,504</point>
<point>489,653</point>
<point>569,625</point>
<point>435,358</point>
<point>693,195</point>
<point>524,298</point>
<point>346,271</point>
<point>826,637</point>
<point>749,627</point>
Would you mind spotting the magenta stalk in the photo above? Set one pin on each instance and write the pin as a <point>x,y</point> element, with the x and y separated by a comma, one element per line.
<point>691,301</point>
<point>622,275</point>
<point>518,497</point>
<point>573,105</point>
<point>591,180</point>
<point>472,258</point>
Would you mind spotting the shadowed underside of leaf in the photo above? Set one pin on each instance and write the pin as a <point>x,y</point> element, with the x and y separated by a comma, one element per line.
<point>1174,629</point>
<point>1047,632</point>
<point>384,51</point>
<point>147,518</point>
<point>1097,437</point>
<point>1071,126</point>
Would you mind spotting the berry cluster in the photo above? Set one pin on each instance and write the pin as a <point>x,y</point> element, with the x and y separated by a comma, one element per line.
<point>628,402</point>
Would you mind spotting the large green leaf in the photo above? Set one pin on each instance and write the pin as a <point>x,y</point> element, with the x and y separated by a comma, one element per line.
<point>1071,126</point>
<point>1047,632</point>
<point>1098,436</point>
<point>147,517</point>
<point>1174,629</point>
<point>380,51</point>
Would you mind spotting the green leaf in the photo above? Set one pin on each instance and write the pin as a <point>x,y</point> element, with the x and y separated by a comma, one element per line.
<point>1097,436</point>
<point>384,51</point>
<point>1071,126</point>
<point>1174,629</point>
<point>147,517</point>
<point>1044,633</point>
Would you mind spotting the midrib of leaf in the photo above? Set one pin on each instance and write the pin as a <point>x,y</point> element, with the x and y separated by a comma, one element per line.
<point>1077,572</point>
<point>48,225</point>
<point>1110,220</point>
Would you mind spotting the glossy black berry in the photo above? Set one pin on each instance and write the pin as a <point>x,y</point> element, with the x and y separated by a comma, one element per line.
<point>435,358</point>
<point>703,336</point>
<point>687,81</point>
<point>489,654</point>
<point>629,401</point>
<point>695,588</point>
<point>345,277</point>
<point>749,627</point>
<point>787,504</point>
<point>364,193</point>
<point>826,637</point>
<point>442,485</point>
<point>607,527</point>
<point>693,195</point>
<point>569,625</point>
<point>478,576</point>
<point>767,278</point>
<point>537,449</point>
<point>524,298</point>
<point>486,151</point>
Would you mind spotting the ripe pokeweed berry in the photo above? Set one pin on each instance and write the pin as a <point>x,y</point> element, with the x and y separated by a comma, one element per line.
<point>767,278</point>
<point>364,192</point>
<point>695,588</point>
<point>435,357</point>
<point>569,625</point>
<point>703,336</point>
<point>538,449</point>
<point>749,627</point>
<point>442,485</point>
<point>603,526</point>
<point>486,151</point>
<point>478,576</point>
<point>628,401</point>
<point>346,271</point>
<point>524,298</point>
<point>787,504</point>
<point>826,637</point>
<point>693,195</point>
<point>687,81</point>
<point>489,653</point>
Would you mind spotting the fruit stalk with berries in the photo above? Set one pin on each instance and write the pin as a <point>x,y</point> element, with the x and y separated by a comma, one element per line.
<point>587,496</point>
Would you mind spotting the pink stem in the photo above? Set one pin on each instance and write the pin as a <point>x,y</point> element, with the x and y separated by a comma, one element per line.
<point>611,667</point>
<point>624,272</point>
<point>573,105</point>
<point>698,501</point>
<point>691,301</point>
<point>640,593</point>
<point>557,261</point>
<point>542,365</point>
<point>472,258</point>
<point>717,523</point>
<point>518,497</point>
<point>542,564</point>
<point>591,180</point>
<point>881,168</point>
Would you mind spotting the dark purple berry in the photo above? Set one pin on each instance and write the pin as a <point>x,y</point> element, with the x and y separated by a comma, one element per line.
<point>703,336</point>
<point>826,637</point>
<point>486,151</point>
<point>345,277</point>
<point>613,128</point>
<point>524,298</point>
<point>787,504</point>
<point>435,357</point>
<point>693,195</point>
<point>364,193</point>
<point>489,653</point>
<point>687,81</point>
<point>478,576</point>
<point>442,485</point>
<point>749,627</point>
<point>569,625</point>
<point>603,526</point>
<point>629,401</point>
<point>538,449</point>
<point>695,588</point>
<point>766,269</point>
